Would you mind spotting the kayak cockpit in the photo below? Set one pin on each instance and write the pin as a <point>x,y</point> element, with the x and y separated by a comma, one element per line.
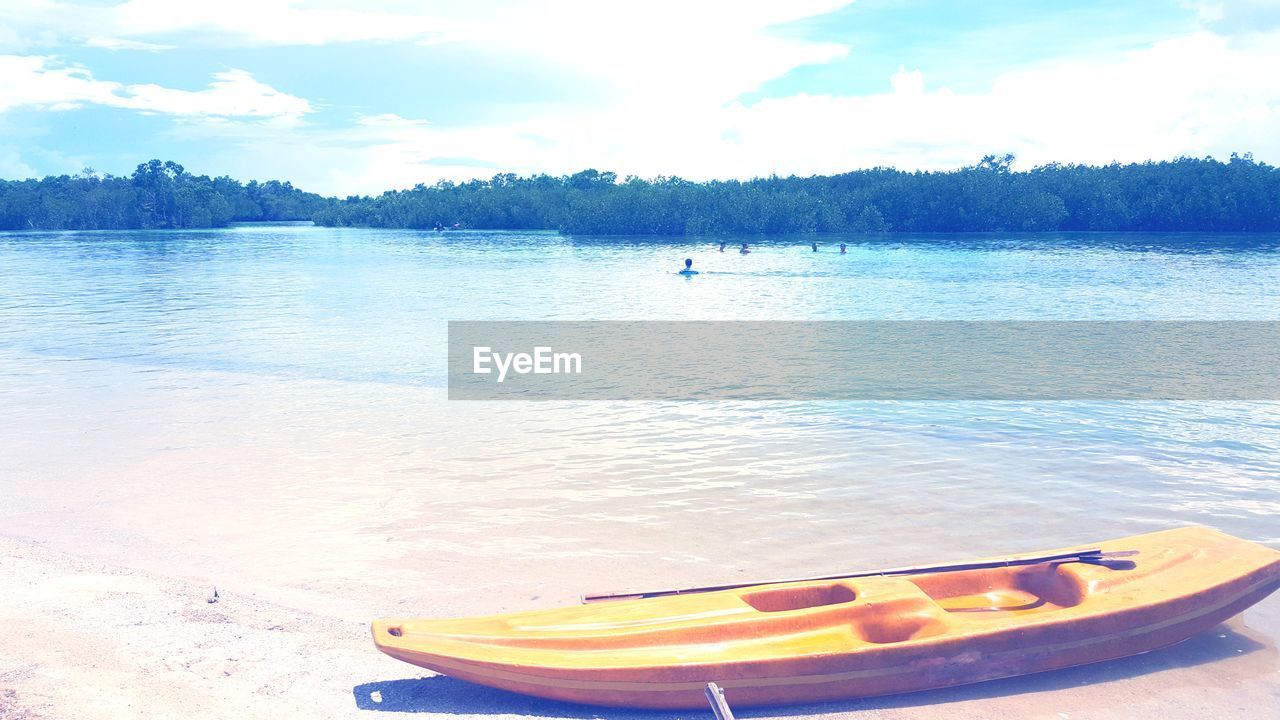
<point>1032,588</point>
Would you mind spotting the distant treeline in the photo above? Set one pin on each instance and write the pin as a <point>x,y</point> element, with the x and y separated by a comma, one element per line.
<point>157,195</point>
<point>1180,195</point>
<point>1184,194</point>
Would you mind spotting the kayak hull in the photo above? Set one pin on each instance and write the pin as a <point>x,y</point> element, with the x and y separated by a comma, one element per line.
<point>825,640</point>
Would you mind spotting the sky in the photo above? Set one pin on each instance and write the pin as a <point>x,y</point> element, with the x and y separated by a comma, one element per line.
<point>347,97</point>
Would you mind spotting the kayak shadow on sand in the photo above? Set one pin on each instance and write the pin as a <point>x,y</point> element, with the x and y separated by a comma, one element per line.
<point>447,696</point>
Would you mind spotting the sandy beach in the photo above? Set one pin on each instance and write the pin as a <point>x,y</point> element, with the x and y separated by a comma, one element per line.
<point>88,640</point>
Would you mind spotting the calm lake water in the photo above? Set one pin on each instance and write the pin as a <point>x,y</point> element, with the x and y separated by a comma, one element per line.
<point>266,403</point>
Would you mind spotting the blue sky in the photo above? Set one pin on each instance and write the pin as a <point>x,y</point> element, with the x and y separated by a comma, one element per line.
<point>358,97</point>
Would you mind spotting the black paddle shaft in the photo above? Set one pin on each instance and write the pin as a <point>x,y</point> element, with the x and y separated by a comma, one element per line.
<point>1094,556</point>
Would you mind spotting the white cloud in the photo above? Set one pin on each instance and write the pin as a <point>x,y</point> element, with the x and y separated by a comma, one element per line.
<point>579,32</point>
<point>12,164</point>
<point>1203,94</point>
<point>110,43</point>
<point>712,46</point>
<point>664,74</point>
<point>1234,17</point>
<point>41,82</point>
<point>35,81</point>
<point>272,22</point>
<point>233,93</point>
<point>665,77</point>
<point>907,82</point>
<point>253,22</point>
<point>671,51</point>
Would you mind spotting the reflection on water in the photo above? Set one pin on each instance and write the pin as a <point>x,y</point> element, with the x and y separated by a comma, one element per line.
<point>267,403</point>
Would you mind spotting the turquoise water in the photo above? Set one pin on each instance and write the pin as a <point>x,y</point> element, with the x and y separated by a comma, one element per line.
<point>274,389</point>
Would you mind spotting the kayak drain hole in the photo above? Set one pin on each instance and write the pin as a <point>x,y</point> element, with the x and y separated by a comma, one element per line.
<point>395,632</point>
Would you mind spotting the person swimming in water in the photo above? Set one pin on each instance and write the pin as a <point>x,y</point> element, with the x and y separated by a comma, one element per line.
<point>815,247</point>
<point>721,246</point>
<point>688,267</point>
<point>843,250</point>
<point>745,250</point>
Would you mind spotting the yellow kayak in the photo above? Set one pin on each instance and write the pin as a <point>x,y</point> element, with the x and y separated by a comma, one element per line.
<point>855,636</point>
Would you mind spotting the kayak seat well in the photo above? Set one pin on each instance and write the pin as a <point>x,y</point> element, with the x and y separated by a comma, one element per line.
<point>797,598</point>
<point>898,620</point>
<point>1032,588</point>
<point>887,610</point>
